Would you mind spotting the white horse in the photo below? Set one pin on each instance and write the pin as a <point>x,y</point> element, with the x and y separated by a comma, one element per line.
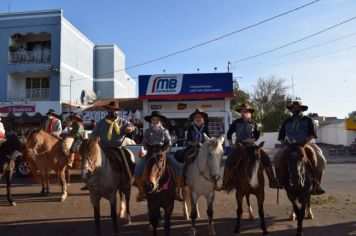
<point>202,176</point>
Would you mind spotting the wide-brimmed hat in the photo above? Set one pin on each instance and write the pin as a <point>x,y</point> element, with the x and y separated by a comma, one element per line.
<point>51,112</point>
<point>245,105</point>
<point>156,114</point>
<point>76,116</point>
<point>297,103</point>
<point>113,106</point>
<point>200,112</point>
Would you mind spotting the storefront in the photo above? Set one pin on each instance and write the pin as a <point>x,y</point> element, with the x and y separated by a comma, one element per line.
<point>177,96</point>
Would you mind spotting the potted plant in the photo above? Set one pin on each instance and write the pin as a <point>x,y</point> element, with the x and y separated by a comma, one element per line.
<point>12,48</point>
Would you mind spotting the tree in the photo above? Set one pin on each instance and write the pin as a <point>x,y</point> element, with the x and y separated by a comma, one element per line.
<point>269,94</point>
<point>270,99</point>
<point>313,115</point>
<point>352,114</point>
<point>239,96</point>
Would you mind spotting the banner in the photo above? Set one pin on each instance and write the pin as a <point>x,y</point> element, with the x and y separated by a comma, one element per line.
<point>185,86</point>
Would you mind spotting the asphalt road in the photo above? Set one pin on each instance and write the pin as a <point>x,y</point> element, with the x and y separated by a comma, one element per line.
<point>335,212</point>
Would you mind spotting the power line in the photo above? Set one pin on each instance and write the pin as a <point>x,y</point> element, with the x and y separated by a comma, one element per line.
<point>212,40</point>
<point>294,42</point>
<point>308,58</point>
<point>303,49</point>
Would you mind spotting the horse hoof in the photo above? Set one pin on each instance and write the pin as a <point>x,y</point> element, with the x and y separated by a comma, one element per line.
<point>63,197</point>
<point>310,216</point>
<point>12,203</point>
<point>292,217</point>
<point>160,223</point>
<point>149,228</point>
<point>193,232</point>
<point>43,193</point>
<point>47,194</point>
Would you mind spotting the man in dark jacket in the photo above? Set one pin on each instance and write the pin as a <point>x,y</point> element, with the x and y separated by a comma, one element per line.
<point>246,132</point>
<point>300,129</point>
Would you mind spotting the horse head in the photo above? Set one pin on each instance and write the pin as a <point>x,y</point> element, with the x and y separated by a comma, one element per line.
<point>12,147</point>
<point>89,152</point>
<point>155,166</point>
<point>213,152</point>
<point>34,141</point>
<point>251,157</point>
<point>296,161</point>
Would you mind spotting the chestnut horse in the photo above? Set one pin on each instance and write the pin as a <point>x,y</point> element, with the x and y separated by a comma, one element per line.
<point>160,186</point>
<point>47,152</point>
<point>248,180</point>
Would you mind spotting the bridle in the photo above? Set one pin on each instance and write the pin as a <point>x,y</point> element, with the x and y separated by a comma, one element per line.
<point>161,170</point>
<point>303,161</point>
<point>35,151</point>
<point>209,160</point>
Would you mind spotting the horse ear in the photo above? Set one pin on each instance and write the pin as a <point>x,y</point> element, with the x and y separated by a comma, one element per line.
<point>206,137</point>
<point>261,144</point>
<point>221,138</point>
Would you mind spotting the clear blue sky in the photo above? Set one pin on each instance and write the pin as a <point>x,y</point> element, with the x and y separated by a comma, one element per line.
<point>150,29</point>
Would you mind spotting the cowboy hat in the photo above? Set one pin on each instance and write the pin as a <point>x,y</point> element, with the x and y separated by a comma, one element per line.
<point>245,105</point>
<point>297,103</point>
<point>51,112</point>
<point>156,114</point>
<point>77,117</point>
<point>113,106</point>
<point>200,112</point>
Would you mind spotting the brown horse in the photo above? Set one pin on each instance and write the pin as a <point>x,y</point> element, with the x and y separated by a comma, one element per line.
<point>160,187</point>
<point>47,151</point>
<point>298,180</point>
<point>105,172</point>
<point>249,179</point>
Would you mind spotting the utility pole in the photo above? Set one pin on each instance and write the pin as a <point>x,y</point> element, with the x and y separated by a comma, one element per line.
<point>8,6</point>
<point>228,66</point>
<point>293,87</point>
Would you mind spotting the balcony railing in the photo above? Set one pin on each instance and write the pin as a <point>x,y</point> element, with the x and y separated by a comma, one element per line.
<point>28,95</point>
<point>30,57</point>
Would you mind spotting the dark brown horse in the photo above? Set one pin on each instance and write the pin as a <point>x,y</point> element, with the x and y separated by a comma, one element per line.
<point>10,150</point>
<point>249,180</point>
<point>298,180</point>
<point>159,187</point>
<point>105,172</point>
<point>47,151</point>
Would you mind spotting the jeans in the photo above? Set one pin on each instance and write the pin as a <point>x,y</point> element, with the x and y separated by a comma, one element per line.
<point>141,166</point>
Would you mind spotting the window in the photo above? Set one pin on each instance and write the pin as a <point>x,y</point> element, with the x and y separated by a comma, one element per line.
<point>37,83</point>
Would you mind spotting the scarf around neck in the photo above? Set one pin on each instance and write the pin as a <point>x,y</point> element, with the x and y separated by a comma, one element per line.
<point>113,125</point>
<point>198,132</point>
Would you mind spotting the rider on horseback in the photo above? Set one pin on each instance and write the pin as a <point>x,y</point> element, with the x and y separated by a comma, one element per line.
<point>195,137</point>
<point>156,134</point>
<point>76,132</point>
<point>246,132</point>
<point>300,129</point>
<point>53,125</point>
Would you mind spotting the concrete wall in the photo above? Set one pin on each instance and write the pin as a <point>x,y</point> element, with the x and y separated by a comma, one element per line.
<point>335,134</point>
<point>270,139</point>
<point>104,67</point>
<point>77,63</point>
<point>29,23</point>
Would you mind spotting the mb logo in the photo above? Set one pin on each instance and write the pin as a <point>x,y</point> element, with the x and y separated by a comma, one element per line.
<point>164,84</point>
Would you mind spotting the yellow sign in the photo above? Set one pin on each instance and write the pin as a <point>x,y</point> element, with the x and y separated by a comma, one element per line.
<point>350,123</point>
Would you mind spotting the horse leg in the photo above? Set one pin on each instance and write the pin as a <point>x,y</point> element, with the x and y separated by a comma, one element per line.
<point>186,200</point>
<point>113,214</point>
<point>47,182</point>
<point>194,212</point>
<point>260,199</point>
<point>63,183</point>
<point>8,176</point>
<point>95,201</point>
<point>122,205</point>
<point>249,208</point>
<point>67,175</point>
<point>239,199</point>
<point>153,214</point>
<point>43,191</point>
<point>127,199</point>
<point>210,213</point>
<point>293,215</point>
<point>310,214</point>
<point>298,213</point>
<point>167,218</point>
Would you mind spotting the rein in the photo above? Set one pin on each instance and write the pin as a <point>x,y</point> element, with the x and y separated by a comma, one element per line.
<point>161,171</point>
<point>202,172</point>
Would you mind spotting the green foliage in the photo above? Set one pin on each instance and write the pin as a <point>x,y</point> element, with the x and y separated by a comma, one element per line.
<point>313,115</point>
<point>272,121</point>
<point>352,114</point>
<point>239,96</point>
<point>12,48</point>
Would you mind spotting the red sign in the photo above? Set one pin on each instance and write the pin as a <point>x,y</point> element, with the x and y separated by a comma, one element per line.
<point>18,108</point>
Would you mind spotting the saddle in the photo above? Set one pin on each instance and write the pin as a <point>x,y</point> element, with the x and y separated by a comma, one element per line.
<point>120,158</point>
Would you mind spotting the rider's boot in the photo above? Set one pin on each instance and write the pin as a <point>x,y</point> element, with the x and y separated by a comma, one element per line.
<point>141,196</point>
<point>271,178</point>
<point>179,186</point>
<point>71,160</point>
<point>317,189</point>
